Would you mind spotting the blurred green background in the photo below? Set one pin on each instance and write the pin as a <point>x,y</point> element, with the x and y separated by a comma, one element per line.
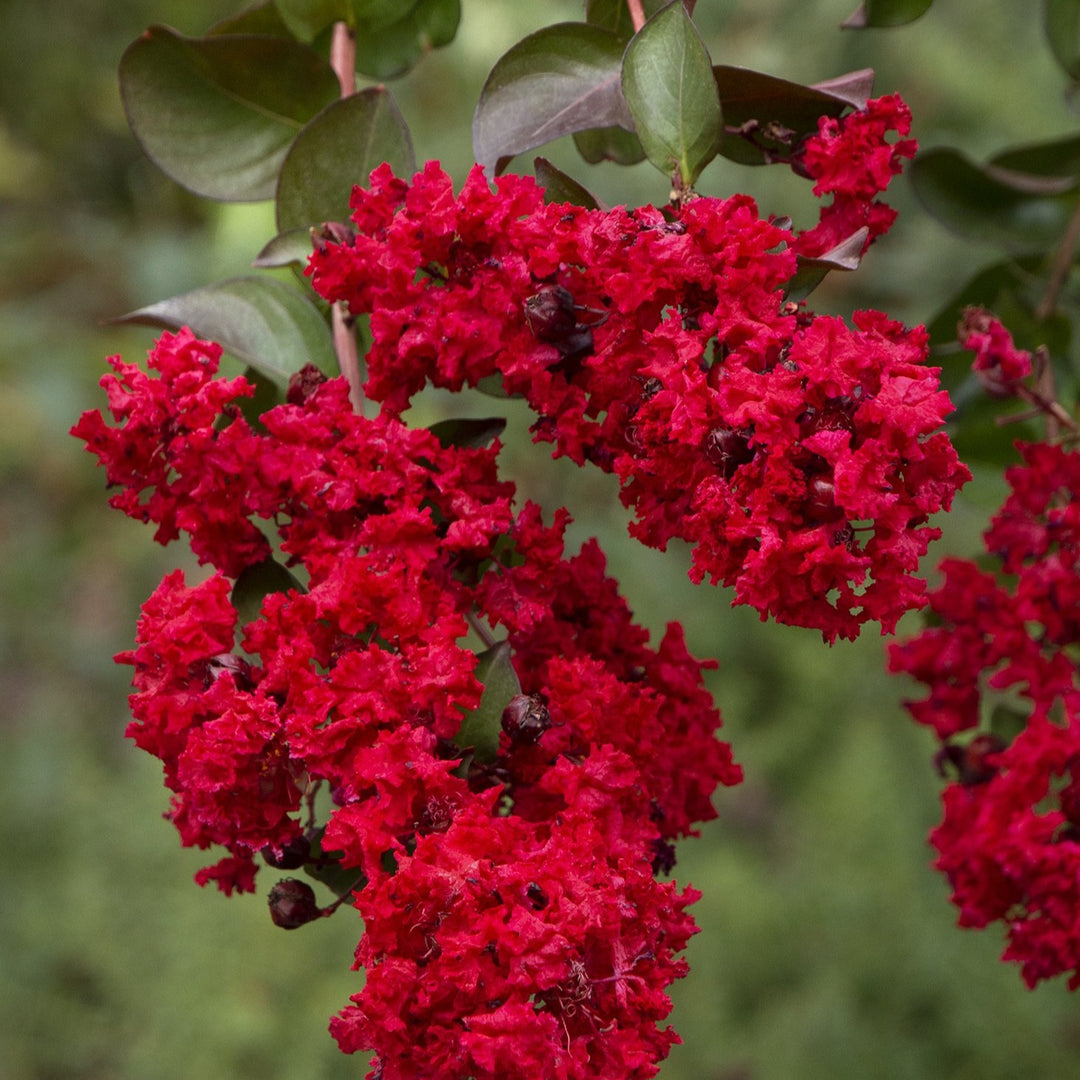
<point>828,948</point>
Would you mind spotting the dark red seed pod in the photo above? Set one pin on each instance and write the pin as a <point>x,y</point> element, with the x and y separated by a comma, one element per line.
<point>727,449</point>
<point>525,719</point>
<point>303,383</point>
<point>292,903</point>
<point>292,856</point>
<point>550,313</point>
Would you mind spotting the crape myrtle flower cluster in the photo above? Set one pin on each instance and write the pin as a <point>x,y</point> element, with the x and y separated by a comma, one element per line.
<point>999,664</point>
<point>513,922</point>
<point>799,456</point>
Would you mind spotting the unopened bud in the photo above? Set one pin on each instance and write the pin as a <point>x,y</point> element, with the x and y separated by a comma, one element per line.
<point>292,903</point>
<point>550,313</point>
<point>525,719</point>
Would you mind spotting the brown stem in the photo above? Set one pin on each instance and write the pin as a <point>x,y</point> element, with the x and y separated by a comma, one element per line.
<point>481,630</point>
<point>1062,265</point>
<point>637,14</point>
<point>348,356</point>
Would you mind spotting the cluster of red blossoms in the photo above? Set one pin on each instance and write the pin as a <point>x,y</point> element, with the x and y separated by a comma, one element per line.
<point>398,680</point>
<point>503,860</point>
<point>1000,665</point>
<point>799,456</point>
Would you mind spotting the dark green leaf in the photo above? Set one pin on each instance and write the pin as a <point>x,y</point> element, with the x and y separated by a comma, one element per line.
<point>267,324</point>
<point>471,434</point>
<point>886,13</point>
<point>561,188</point>
<point>669,87</point>
<point>765,117</point>
<point>1013,285</point>
<point>306,18</point>
<point>256,583</point>
<point>217,114</point>
<point>562,79</point>
<point>481,727</point>
<point>337,150</point>
<point>609,144</point>
<point>326,869</point>
<point>261,19</point>
<point>1017,211</point>
<point>388,51</point>
<point>614,15</point>
<point>268,394</point>
<point>378,13</point>
<point>1061,19</point>
<point>976,429</point>
<point>1058,158</point>
<point>811,272</point>
<point>288,248</point>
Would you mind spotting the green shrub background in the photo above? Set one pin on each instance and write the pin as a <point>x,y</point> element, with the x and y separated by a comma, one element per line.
<point>828,948</point>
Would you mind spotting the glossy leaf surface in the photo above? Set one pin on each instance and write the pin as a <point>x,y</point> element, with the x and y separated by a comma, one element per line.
<point>336,151</point>
<point>562,79</point>
<point>218,114</point>
<point>267,324</point>
<point>672,95</point>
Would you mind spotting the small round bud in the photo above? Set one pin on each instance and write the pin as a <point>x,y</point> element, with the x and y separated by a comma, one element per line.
<point>303,383</point>
<point>292,856</point>
<point>727,449</point>
<point>292,903</point>
<point>550,313</point>
<point>525,719</point>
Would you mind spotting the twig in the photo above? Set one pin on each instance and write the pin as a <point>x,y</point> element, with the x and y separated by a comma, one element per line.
<point>348,355</point>
<point>481,630</point>
<point>1062,265</point>
<point>343,61</point>
<point>343,58</point>
<point>637,14</point>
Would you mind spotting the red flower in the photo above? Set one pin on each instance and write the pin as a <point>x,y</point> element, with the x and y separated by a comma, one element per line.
<point>661,349</point>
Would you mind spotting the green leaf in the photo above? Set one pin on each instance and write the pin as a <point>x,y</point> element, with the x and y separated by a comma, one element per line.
<point>388,51</point>
<point>1061,20</point>
<point>561,188</point>
<point>668,82</point>
<point>481,727</point>
<point>614,15</point>
<point>609,144</point>
<point>468,433</point>
<point>268,395</point>
<point>261,19</point>
<point>267,324</point>
<point>291,247</point>
<point>337,150</point>
<point>256,583</point>
<point>774,114</point>
<point>562,79</point>
<point>1057,158</point>
<point>885,13</point>
<point>306,18</point>
<point>1018,211</point>
<point>217,114</point>
<point>326,869</point>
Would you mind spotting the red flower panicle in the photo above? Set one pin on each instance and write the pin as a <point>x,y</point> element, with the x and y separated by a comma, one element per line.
<point>852,159</point>
<point>1004,699</point>
<point>800,457</point>
<point>355,678</point>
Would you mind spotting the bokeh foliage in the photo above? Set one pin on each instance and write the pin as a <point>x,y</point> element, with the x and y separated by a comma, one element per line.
<point>828,947</point>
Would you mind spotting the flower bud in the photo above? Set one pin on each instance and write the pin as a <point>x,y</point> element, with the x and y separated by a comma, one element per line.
<point>550,313</point>
<point>293,855</point>
<point>292,903</point>
<point>525,719</point>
